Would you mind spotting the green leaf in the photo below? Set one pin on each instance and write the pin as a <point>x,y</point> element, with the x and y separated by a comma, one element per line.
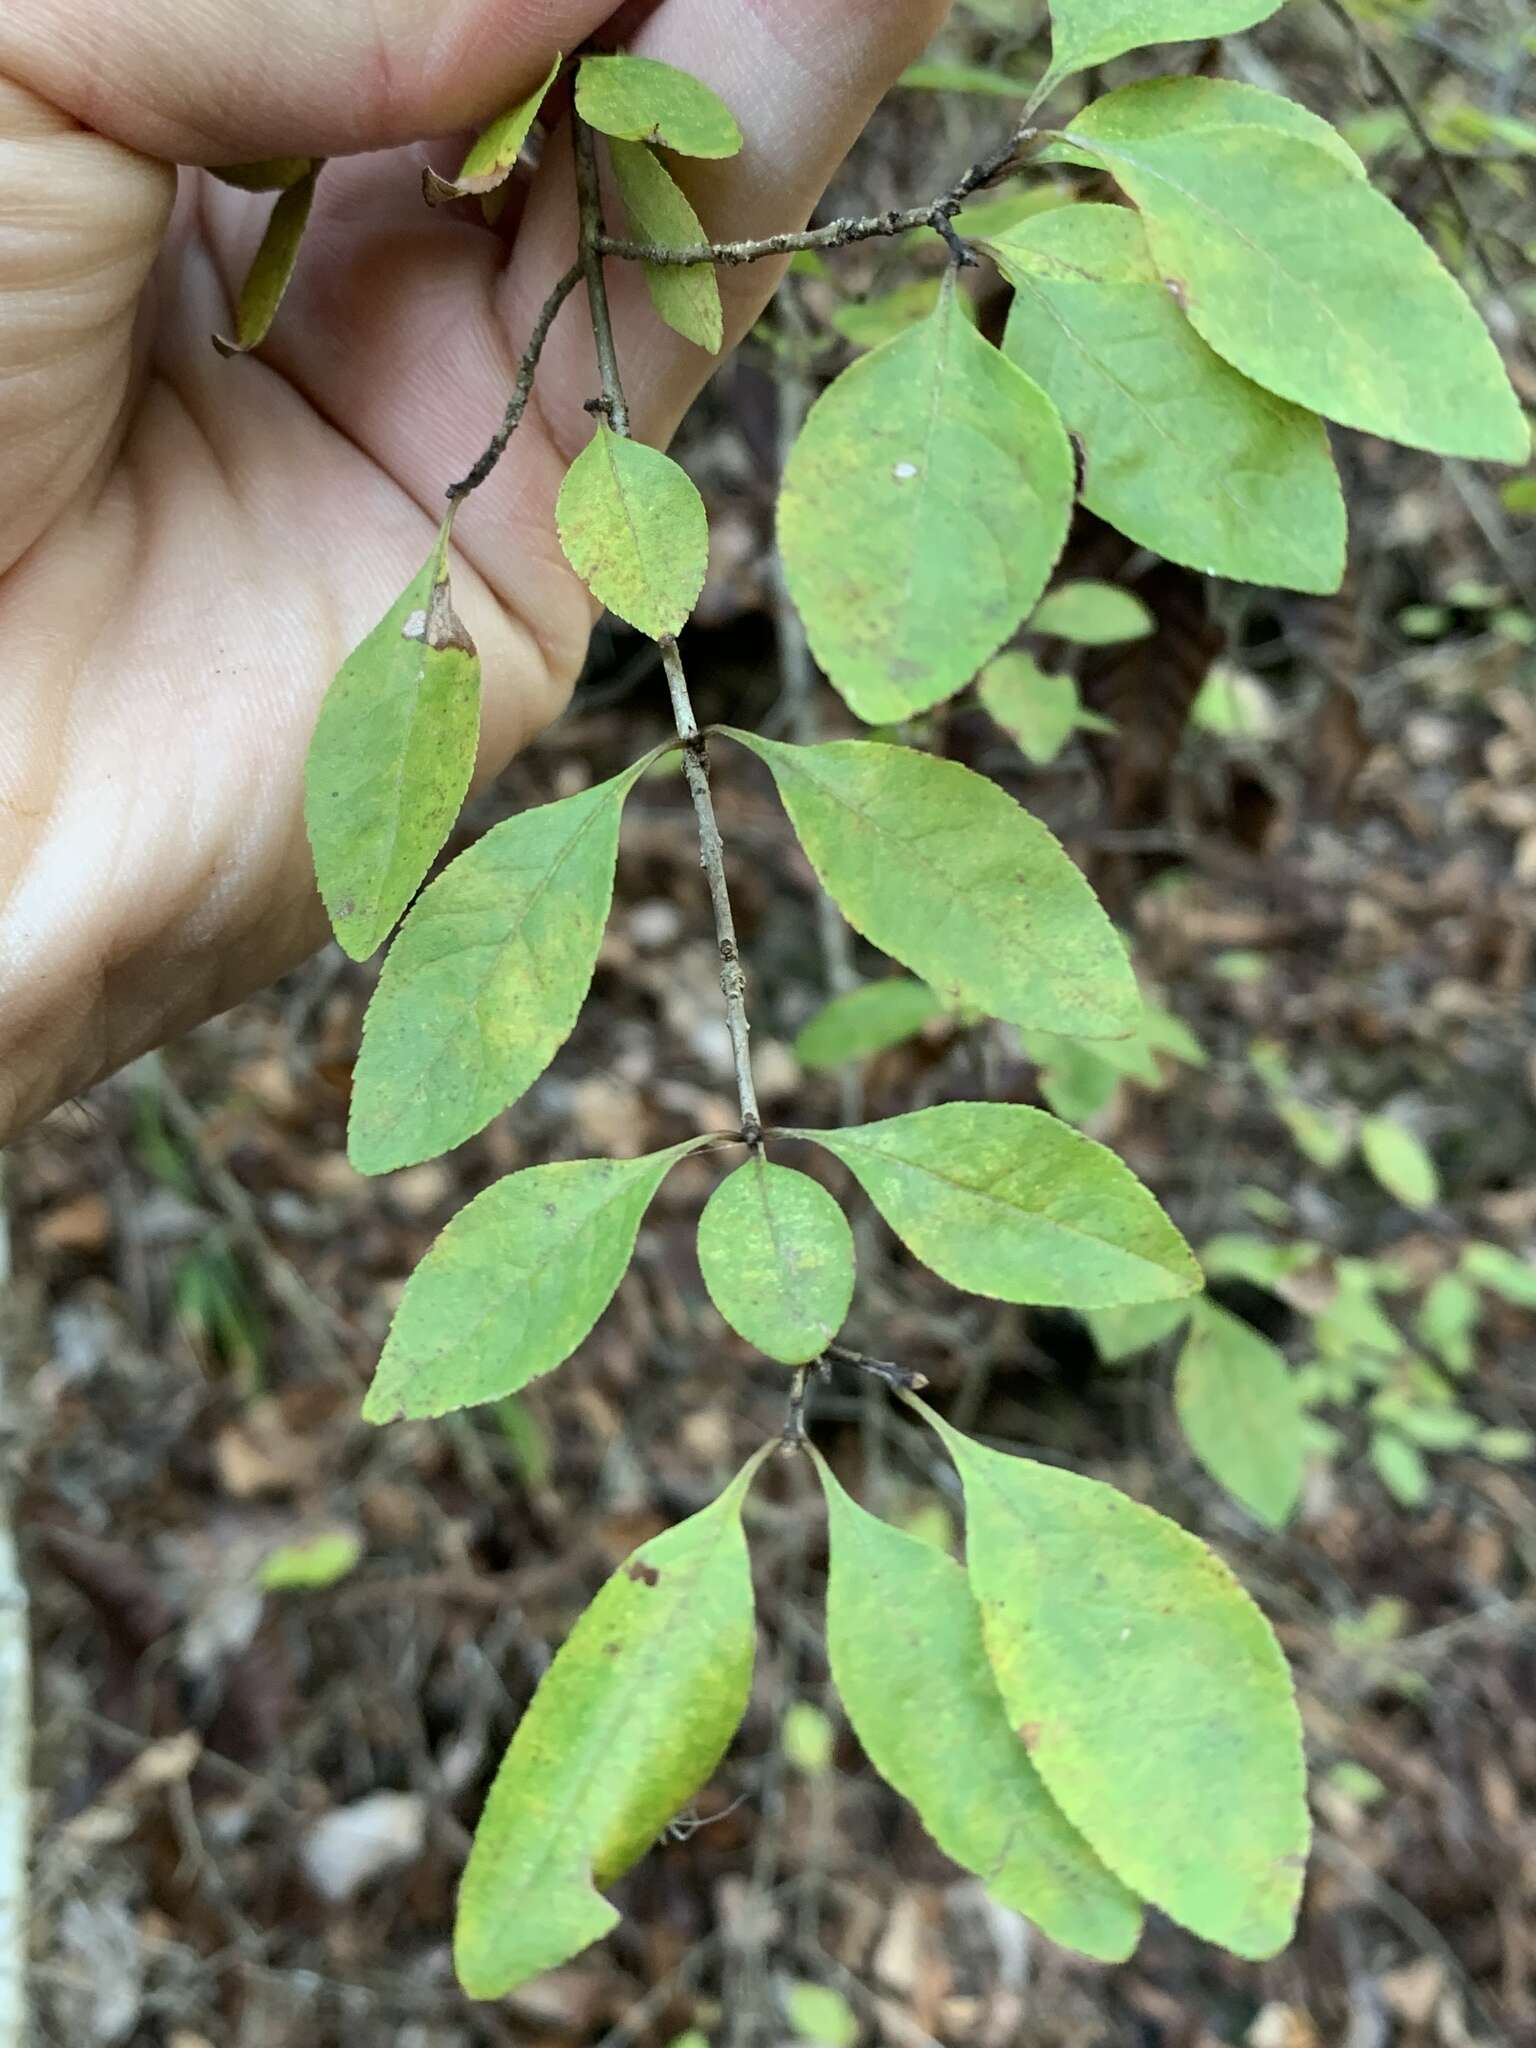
<point>1089,32</point>
<point>514,1284</point>
<point>1296,272</point>
<point>1507,1446</point>
<point>1120,1333</point>
<point>869,322</point>
<point>271,174</point>
<point>634,528</point>
<point>1164,106</point>
<point>1325,1136</point>
<point>1038,711</point>
<point>1149,1691</point>
<point>494,153</point>
<point>866,1021</point>
<point>931,465</point>
<point>487,978</point>
<point>1092,614</point>
<point>1399,1162</point>
<point>639,100</point>
<point>777,1257</point>
<point>1238,1408</point>
<point>1448,1321</point>
<point>820,2017</point>
<point>1181,452</point>
<point>629,1721</point>
<point>311,1567</point>
<point>1401,1468</point>
<point>905,1646</point>
<point>1502,1273</point>
<point>941,869</point>
<point>808,1739</point>
<point>391,758</point>
<point>687,296</point>
<point>1009,1203</point>
<point>942,75</point>
<point>273,264</point>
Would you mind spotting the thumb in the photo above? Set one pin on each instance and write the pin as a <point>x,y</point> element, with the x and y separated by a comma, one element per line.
<point>220,81</point>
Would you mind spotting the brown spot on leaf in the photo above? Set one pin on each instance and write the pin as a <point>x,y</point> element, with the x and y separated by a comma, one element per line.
<point>1029,1733</point>
<point>644,1574</point>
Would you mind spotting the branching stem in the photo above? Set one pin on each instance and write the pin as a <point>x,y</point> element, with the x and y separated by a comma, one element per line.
<point>733,982</point>
<point>522,389</point>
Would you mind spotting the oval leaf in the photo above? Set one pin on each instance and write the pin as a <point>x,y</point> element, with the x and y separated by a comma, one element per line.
<point>1092,614</point>
<point>777,1257</point>
<point>866,1021</point>
<point>905,1646</point>
<point>272,265</point>
<point>634,528</point>
<point>933,465</point>
<point>640,100</point>
<point>487,978</point>
<point>494,153</point>
<point>514,1284</point>
<point>391,758</point>
<point>941,869</point>
<point>1181,452</point>
<point>1039,712</point>
<point>1149,1691</point>
<point>687,296</point>
<point>1400,1162</point>
<point>1238,1408</point>
<point>1009,1203</point>
<point>629,1721</point>
<point>1297,271</point>
<point>1089,32</point>
<point>1160,106</point>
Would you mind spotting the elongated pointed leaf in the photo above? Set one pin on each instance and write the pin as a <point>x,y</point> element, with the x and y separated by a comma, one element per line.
<point>686,296</point>
<point>1296,272</point>
<point>1238,1407</point>
<point>933,465</point>
<point>273,264</point>
<point>391,758</point>
<point>487,978</point>
<point>634,528</point>
<point>628,1723</point>
<point>1089,32</point>
<point>905,1645</point>
<point>1038,711</point>
<point>494,153</point>
<point>514,1284</point>
<point>777,1257</point>
<point>639,100</point>
<point>1400,1162</point>
<point>941,869</point>
<point>866,1021</point>
<point>1007,1202</point>
<point>1149,1691</point>
<point>1181,452</point>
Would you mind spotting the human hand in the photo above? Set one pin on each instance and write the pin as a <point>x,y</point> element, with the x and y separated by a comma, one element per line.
<point>189,546</point>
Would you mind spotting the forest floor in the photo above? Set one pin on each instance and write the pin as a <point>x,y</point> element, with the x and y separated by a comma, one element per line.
<point>253,1804</point>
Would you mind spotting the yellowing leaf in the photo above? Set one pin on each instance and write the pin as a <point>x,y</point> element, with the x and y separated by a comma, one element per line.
<point>777,1257</point>
<point>487,978</point>
<point>932,465</point>
<point>640,100</point>
<point>1089,32</point>
<point>905,1645</point>
<point>272,265</point>
<point>514,1284</point>
<point>687,296</point>
<point>494,153</point>
<point>1007,1202</point>
<point>1296,271</point>
<point>1149,1691</point>
<point>1237,1405</point>
<point>1400,1162</point>
<point>628,1723</point>
<point>391,758</point>
<point>941,869</point>
<point>1181,452</point>
<point>867,1020</point>
<point>1092,614</point>
<point>634,528</point>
